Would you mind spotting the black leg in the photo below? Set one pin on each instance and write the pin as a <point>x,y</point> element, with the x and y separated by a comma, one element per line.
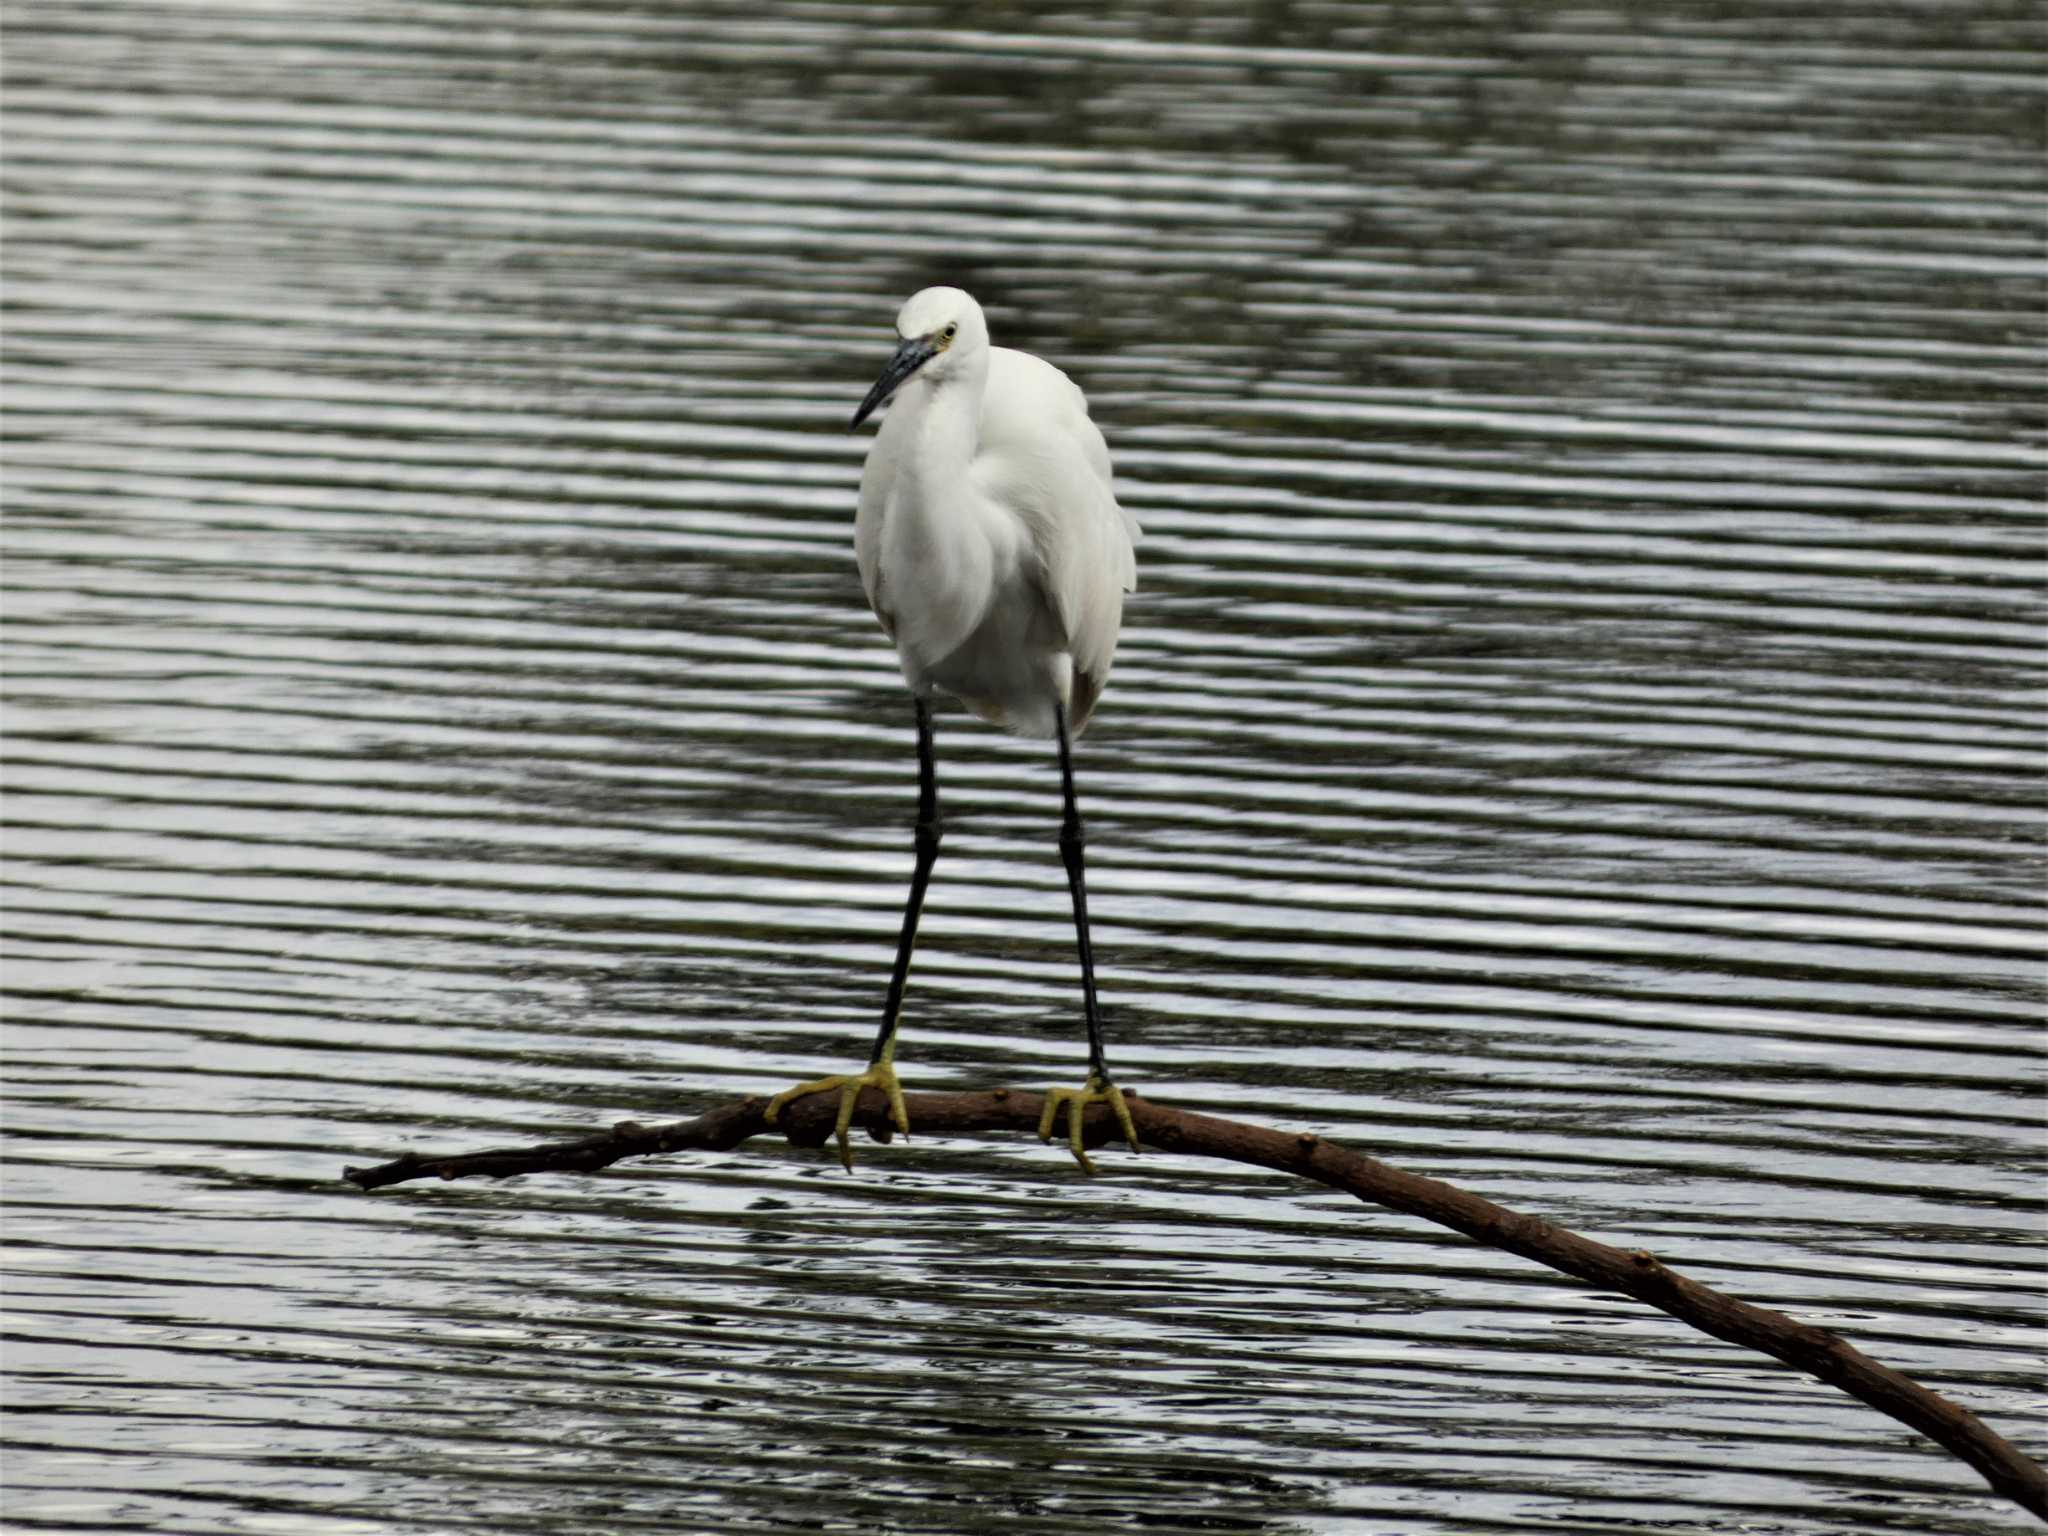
<point>1098,1089</point>
<point>1073,840</point>
<point>929,831</point>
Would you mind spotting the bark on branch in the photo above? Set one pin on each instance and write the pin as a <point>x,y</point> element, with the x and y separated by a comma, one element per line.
<point>808,1122</point>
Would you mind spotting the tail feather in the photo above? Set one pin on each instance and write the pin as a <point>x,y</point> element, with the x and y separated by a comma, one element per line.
<point>1086,689</point>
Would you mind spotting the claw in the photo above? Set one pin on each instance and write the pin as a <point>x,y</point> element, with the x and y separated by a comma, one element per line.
<point>880,1074</point>
<point>1097,1090</point>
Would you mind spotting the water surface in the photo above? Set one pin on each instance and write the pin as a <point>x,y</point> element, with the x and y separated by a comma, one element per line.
<point>1577,735</point>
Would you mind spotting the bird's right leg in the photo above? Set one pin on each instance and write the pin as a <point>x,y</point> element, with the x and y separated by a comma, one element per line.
<point>881,1070</point>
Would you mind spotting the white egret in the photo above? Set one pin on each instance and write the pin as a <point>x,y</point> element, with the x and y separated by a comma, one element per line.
<point>994,553</point>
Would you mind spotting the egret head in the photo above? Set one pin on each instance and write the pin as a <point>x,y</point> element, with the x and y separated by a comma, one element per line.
<point>943,334</point>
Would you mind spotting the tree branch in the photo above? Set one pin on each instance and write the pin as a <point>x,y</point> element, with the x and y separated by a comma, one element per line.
<point>808,1122</point>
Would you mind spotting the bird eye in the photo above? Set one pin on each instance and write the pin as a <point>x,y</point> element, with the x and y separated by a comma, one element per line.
<point>951,328</point>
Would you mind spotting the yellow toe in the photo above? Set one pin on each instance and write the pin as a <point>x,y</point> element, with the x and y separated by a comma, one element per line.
<point>880,1074</point>
<point>1097,1090</point>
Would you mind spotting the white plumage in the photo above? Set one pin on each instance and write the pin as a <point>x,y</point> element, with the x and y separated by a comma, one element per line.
<point>994,553</point>
<point>989,540</point>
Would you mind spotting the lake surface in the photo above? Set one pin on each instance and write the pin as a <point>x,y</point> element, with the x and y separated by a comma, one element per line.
<point>1577,735</point>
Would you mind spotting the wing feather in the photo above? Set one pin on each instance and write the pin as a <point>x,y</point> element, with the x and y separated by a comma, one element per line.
<point>1042,457</point>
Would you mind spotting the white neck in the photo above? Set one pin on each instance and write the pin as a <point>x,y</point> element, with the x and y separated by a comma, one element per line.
<point>944,545</point>
<point>944,426</point>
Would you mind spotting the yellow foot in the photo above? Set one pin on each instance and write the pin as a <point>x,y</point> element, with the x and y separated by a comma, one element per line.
<point>879,1074</point>
<point>1097,1090</point>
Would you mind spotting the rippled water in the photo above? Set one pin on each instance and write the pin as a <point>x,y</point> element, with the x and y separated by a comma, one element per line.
<point>1577,735</point>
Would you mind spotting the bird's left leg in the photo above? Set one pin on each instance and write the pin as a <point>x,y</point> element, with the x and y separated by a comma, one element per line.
<point>1099,1088</point>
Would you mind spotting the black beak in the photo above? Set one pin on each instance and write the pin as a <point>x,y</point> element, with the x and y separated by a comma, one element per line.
<point>910,357</point>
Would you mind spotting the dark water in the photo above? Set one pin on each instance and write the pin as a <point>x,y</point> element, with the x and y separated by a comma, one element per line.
<point>1577,735</point>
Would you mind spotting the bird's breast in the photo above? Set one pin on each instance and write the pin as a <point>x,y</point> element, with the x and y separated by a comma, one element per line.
<point>940,564</point>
